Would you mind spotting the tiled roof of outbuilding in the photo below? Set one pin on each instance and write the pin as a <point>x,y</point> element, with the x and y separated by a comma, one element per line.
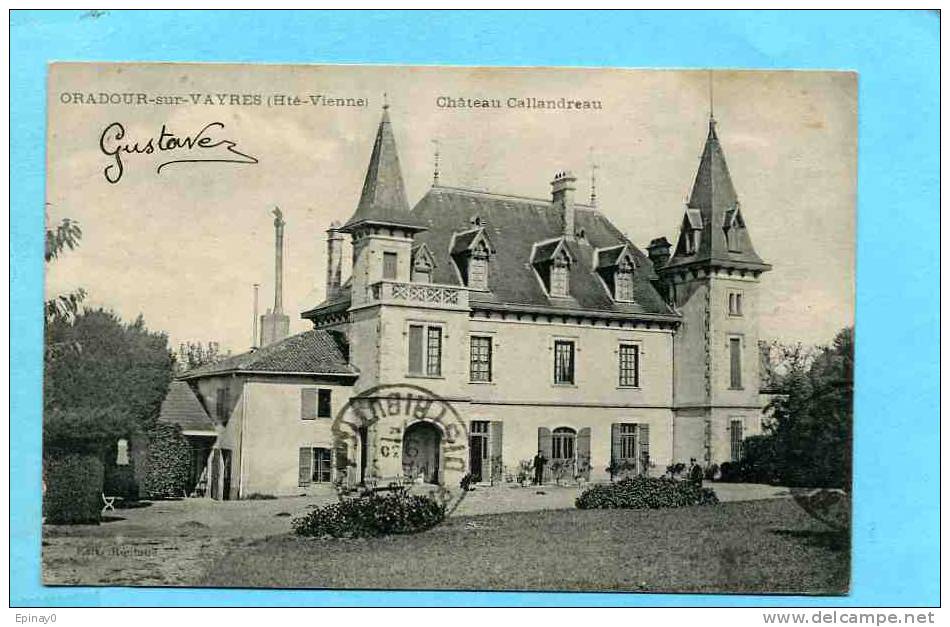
<point>183,408</point>
<point>311,352</point>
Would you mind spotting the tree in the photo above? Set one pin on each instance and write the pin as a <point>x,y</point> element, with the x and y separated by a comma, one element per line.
<point>66,235</point>
<point>808,441</point>
<point>193,355</point>
<point>107,380</point>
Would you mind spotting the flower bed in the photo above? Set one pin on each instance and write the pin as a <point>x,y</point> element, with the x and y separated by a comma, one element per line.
<point>372,516</point>
<point>645,493</point>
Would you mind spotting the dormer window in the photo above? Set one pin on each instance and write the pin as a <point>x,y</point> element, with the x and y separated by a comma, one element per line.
<point>731,225</point>
<point>559,276</point>
<point>692,241</point>
<point>692,231</point>
<point>552,260</point>
<point>623,282</point>
<point>472,252</point>
<point>422,264</point>
<point>616,266</point>
<point>478,270</point>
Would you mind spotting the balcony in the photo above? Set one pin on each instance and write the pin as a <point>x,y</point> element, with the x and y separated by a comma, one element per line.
<point>420,295</point>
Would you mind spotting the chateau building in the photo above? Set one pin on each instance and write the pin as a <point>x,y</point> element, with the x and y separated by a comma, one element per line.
<point>536,318</point>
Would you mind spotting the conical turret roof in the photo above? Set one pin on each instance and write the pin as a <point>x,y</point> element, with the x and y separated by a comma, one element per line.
<point>383,200</point>
<point>713,210</point>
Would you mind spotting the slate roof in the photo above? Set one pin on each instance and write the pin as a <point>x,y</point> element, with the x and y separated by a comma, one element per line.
<point>310,352</point>
<point>514,225</point>
<point>183,408</point>
<point>384,195</point>
<point>712,201</point>
<point>610,257</point>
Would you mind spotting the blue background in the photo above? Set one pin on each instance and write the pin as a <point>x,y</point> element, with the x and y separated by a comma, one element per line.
<point>896,514</point>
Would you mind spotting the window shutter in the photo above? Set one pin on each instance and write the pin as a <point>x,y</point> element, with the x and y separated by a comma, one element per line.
<point>583,453</point>
<point>544,445</point>
<point>644,461</point>
<point>616,453</point>
<point>735,363</point>
<point>305,467</point>
<point>415,349</point>
<point>496,435</point>
<point>308,404</point>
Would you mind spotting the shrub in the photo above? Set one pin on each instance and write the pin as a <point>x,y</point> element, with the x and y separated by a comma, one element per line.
<point>120,481</point>
<point>645,493</point>
<point>372,516</point>
<point>675,470</point>
<point>169,462</point>
<point>73,489</point>
<point>729,472</point>
<point>711,471</point>
<point>260,496</point>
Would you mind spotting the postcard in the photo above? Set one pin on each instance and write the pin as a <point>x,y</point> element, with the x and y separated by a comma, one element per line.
<point>449,328</point>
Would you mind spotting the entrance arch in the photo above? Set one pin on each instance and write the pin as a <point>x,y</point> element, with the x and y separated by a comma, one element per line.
<point>420,451</point>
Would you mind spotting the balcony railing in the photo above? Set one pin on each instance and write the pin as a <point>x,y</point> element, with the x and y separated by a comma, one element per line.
<point>425,294</point>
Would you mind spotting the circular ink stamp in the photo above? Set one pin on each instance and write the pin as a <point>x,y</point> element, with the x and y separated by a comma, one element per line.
<point>401,437</point>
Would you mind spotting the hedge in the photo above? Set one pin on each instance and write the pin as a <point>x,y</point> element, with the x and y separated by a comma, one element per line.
<point>645,493</point>
<point>73,489</point>
<point>169,462</point>
<point>372,516</point>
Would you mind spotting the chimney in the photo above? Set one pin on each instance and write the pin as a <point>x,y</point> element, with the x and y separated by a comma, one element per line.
<point>279,261</point>
<point>275,325</point>
<point>334,259</point>
<point>562,196</point>
<point>659,252</point>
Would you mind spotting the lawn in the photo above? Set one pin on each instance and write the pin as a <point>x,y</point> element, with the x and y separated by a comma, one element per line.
<point>759,547</point>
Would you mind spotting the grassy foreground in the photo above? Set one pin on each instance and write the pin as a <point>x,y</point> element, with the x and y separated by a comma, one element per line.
<point>762,546</point>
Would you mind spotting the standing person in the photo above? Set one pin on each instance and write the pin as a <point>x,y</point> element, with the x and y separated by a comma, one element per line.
<point>695,473</point>
<point>539,461</point>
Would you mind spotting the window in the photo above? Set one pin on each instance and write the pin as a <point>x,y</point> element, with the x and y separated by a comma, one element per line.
<point>735,439</point>
<point>421,275</point>
<point>324,404</point>
<point>630,365</point>
<point>425,350</point>
<point>628,441</point>
<point>322,468</point>
<point>222,401</point>
<point>732,240</point>
<point>315,403</point>
<point>434,352</point>
<point>623,284</point>
<point>480,362</point>
<point>562,443</point>
<point>735,303</point>
<point>389,265</point>
<point>478,272</point>
<point>559,286</point>
<point>692,241</point>
<point>563,361</point>
<point>735,363</point>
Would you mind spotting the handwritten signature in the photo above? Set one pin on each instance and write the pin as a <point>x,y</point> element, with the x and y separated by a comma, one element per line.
<point>112,142</point>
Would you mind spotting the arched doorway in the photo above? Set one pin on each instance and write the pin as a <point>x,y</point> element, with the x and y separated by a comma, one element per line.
<point>420,451</point>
